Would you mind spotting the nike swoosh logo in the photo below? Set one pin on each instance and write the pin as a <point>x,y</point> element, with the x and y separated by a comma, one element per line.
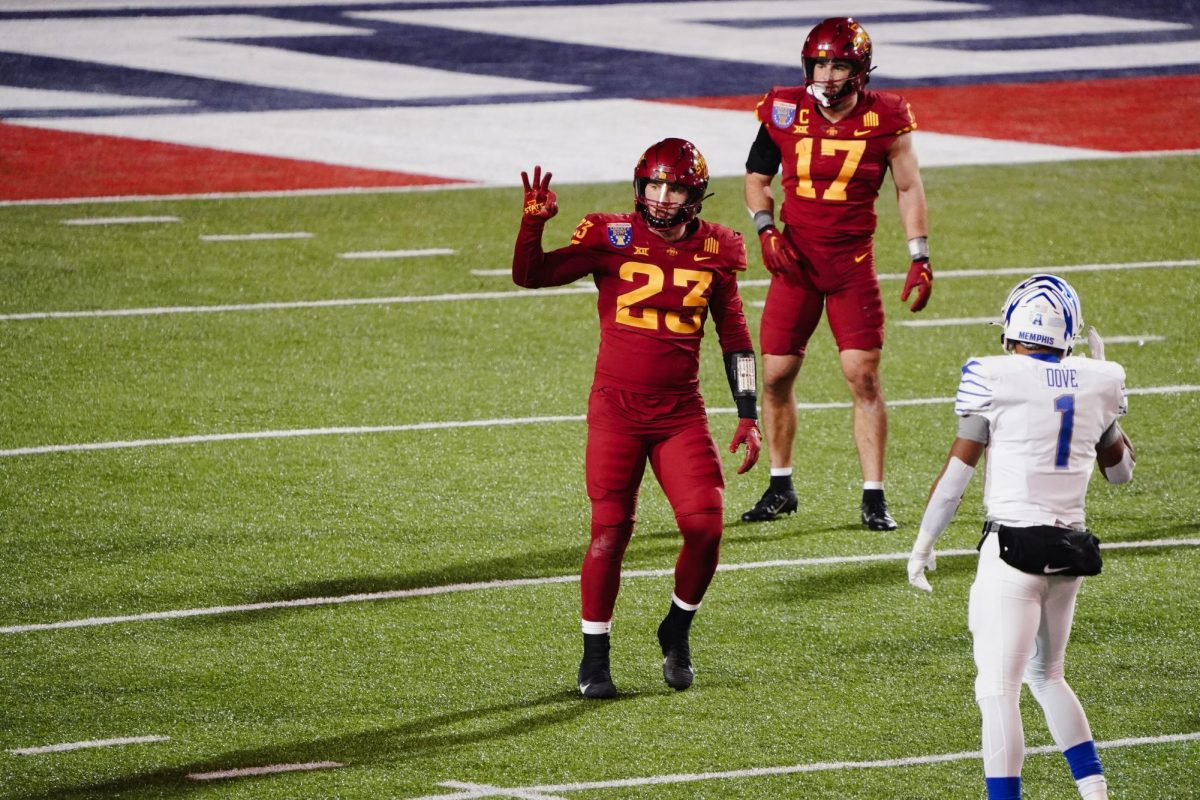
<point>1049,570</point>
<point>701,258</point>
<point>862,133</point>
<point>859,259</point>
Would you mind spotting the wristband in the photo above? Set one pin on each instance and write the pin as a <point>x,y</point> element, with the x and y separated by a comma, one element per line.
<point>1122,471</point>
<point>918,248</point>
<point>740,370</point>
<point>763,220</point>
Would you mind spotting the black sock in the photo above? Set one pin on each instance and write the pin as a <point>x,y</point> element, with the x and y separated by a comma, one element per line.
<point>872,496</point>
<point>595,646</point>
<point>678,620</point>
<point>781,484</point>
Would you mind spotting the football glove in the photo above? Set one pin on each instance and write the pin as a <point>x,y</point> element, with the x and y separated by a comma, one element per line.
<point>541,203</point>
<point>922,558</point>
<point>779,257</point>
<point>1095,344</point>
<point>747,433</point>
<point>920,278</point>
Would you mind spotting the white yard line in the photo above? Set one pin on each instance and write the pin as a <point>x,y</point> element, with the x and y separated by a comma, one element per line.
<point>432,251</point>
<point>118,220</point>
<point>530,293</point>
<point>479,586</point>
<point>547,791</point>
<point>271,769</point>
<point>279,306</point>
<point>62,748</point>
<point>254,237</point>
<point>294,433</point>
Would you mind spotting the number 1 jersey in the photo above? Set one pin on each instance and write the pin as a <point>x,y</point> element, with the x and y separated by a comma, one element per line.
<point>1044,420</point>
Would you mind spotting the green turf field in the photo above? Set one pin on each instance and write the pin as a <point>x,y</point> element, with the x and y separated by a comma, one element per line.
<point>810,676</point>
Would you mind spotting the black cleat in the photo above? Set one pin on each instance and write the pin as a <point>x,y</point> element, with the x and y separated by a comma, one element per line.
<point>677,659</point>
<point>595,681</point>
<point>771,505</point>
<point>876,517</point>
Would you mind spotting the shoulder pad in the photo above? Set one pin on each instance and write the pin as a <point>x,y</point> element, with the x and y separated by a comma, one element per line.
<point>778,106</point>
<point>975,388</point>
<point>894,112</point>
<point>727,246</point>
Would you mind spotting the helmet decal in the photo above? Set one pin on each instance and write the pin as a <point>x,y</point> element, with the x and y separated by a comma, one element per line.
<point>1042,310</point>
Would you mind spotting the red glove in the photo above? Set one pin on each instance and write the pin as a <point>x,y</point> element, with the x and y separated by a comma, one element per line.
<point>779,257</point>
<point>540,202</point>
<point>920,277</point>
<point>747,433</point>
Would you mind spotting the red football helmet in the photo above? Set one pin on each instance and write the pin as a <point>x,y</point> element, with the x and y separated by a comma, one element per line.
<point>837,39</point>
<point>675,161</point>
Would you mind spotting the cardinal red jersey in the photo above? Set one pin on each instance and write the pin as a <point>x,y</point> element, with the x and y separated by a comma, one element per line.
<point>654,295</point>
<point>832,171</point>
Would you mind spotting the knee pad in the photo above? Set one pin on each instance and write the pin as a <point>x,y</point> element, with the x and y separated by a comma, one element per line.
<point>995,686</point>
<point>701,529</point>
<point>707,501</point>
<point>614,510</point>
<point>612,527</point>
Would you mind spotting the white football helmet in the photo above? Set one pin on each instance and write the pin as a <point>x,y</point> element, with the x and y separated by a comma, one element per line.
<point>1042,310</point>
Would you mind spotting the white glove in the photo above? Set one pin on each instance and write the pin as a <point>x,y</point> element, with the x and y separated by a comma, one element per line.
<point>921,559</point>
<point>1095,344</point>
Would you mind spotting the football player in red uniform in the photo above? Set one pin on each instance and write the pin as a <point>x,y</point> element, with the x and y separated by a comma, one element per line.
<point>660,272</point>
<point>835,141</point>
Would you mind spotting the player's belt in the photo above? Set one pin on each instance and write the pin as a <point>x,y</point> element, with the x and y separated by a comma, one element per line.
<point>1047,549</point>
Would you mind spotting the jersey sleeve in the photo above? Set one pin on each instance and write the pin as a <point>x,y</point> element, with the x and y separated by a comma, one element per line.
<point>533,268</point>
<point>975,389</point>
<point>727,313</point>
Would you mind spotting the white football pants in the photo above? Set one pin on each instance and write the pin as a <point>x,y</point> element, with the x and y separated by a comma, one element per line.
<point>1020,624</point>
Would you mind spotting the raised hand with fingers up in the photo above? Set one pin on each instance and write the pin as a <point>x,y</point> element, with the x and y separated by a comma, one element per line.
<point>540,201</point>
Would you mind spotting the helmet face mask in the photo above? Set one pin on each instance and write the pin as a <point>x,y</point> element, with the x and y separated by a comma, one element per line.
<point>1042,311</point>
<point>677,163</point>
<point>837,39</point>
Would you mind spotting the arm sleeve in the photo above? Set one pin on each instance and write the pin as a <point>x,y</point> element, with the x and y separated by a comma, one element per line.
<point>765,156</point>
<point>943,503</point>
<point>533,268</point>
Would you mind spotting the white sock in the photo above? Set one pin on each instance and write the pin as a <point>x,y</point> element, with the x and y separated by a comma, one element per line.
<point>1093,787</point>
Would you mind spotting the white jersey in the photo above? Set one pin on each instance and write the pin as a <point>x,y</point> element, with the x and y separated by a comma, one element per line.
<point>1044,420</point>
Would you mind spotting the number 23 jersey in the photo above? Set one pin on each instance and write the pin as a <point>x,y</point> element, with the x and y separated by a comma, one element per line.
<point>654,297</point>
<point>1044,420</point>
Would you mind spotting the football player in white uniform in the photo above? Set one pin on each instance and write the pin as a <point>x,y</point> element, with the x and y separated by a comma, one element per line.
<point>1042,416</point>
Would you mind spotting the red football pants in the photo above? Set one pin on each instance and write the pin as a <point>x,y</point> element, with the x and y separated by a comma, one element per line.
<point>686,463</point>
<point>837,279</point>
